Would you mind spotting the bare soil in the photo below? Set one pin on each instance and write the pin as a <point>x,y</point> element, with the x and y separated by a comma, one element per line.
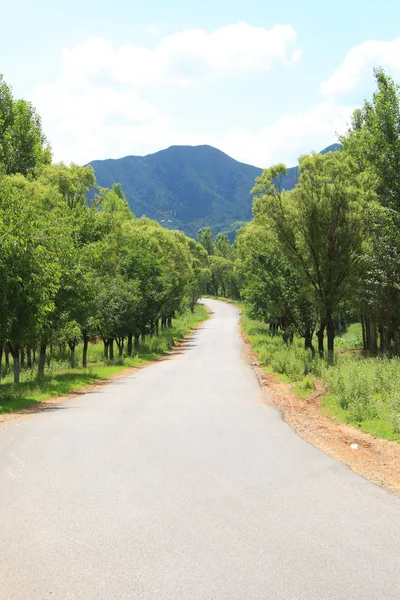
<point>375,459</point>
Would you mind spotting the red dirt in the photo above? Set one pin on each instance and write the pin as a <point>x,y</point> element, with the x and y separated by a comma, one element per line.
<point>375,459</point>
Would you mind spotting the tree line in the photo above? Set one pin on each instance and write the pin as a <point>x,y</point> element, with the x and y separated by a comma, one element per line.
<point>73,269</point>
<point>329,250</point>
<point>76,265</point>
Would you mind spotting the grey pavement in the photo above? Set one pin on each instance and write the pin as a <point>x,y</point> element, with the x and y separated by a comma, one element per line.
<point>179,483</point>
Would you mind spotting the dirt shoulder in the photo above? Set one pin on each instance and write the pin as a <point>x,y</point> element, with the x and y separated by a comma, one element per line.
<point>375,459</point>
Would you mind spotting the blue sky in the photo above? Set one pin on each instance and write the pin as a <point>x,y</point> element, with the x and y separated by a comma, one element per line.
<point>264,82</point>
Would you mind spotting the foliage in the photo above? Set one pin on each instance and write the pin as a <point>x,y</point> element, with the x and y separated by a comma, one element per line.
<point>23,145</point>
<point>74,270</point>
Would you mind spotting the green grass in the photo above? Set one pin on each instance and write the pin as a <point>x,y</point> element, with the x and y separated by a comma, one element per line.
<point>59,379</point>
<point>362,391</point>
<point>304,387</point>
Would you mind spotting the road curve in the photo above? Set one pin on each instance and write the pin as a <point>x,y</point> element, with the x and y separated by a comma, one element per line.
<point>179,483</point>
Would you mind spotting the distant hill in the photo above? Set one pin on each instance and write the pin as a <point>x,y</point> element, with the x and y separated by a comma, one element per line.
<point>191,186</point>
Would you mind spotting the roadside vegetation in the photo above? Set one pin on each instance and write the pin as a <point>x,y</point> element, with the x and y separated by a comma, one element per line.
<point>360,390</point>
<point>83,283</point>
<point>318,268</point>
<point>81,279</point>
<point>60,379</point>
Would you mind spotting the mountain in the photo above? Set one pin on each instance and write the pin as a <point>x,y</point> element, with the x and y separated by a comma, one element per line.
<point>189,186</point>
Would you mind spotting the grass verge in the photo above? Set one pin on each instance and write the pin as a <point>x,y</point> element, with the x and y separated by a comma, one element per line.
<point>361,391</point>
<point>60,380</point>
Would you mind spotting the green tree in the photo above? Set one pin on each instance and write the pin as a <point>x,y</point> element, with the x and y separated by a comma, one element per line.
<point>319,227</point>
<point>373,139</point>
<point>205,238</point>
<point>222,246</point>
<point>23,145</point>
<point>29,265</point>
<point>274,289</point>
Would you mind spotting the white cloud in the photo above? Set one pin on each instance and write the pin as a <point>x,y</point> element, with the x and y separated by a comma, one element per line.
<point>183,57</point>
<point>358,59</point>
<point>292,135</point>
<point>98,108</point>
<point>96,121</point>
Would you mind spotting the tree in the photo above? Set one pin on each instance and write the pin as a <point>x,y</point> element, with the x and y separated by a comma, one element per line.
<point>373,139</point>
<point>319,227</point>
<point>274,289</point>
<point>23,145</point>
<point>222,246</point>
<point>205,238</point>
<point>30,270</point>
<point>221,274</point>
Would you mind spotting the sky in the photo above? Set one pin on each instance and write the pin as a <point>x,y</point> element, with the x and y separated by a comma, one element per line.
<point>264,82</point>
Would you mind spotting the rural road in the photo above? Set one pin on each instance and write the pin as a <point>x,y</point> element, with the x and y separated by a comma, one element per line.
<point>179,483</point>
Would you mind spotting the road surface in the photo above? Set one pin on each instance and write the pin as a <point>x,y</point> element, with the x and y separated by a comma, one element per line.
<point>179,483</point>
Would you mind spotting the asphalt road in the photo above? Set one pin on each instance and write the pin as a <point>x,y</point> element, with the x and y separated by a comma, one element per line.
<point>179,483</point>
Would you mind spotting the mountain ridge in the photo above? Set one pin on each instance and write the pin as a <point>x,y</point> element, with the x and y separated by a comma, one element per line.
<point>191,186</point>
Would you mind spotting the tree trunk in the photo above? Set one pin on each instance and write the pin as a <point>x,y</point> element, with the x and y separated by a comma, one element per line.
<point>386,341</point>
<point>15,350</point>
<point>364,335</point>
<point>42,359</point>
<point>16,368</point>
<point>85,350</point>
<point>320,336</point>
<point>111,347</point>
<point>169,322</point>
<point>367,334</point>
<point>396,342</point>
<point>29,357</point>
<point>163,322</point>
<point>157,326</point>
<point>7,357</point>
<point>120,344</point>
<point>143,336</point>
<point>330,334</point>
<point>22,359</point>
<point>1,357</point>
<point>381,341</point>
<point>105,342</point>
<point>136,342</point>
<point>129,345</point>
<point>308,345</point>
<point>72,346</point>
<point>372,336</point>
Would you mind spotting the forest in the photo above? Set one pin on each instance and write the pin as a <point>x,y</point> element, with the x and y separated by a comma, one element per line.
<point>77,267</point>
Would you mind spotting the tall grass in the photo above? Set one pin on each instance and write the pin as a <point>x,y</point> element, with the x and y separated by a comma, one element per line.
<point>60,379</point>
<point>362,391</point>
